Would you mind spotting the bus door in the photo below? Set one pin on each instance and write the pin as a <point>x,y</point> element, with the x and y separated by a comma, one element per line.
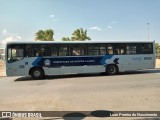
<point>16,64</point>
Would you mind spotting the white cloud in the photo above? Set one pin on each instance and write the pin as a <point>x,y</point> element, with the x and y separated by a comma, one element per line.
<point>53,18</point>
<point>10,39</point>
<point>5,32</point>
<point>95,28</point>
<point>9,36</point>
<point>109,27</point>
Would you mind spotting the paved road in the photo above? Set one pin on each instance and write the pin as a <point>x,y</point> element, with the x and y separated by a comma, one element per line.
<point>134,91</point>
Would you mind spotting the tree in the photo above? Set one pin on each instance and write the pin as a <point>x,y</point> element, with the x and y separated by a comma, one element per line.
<point>44,35</point>
<point>80,35</point>
<point>157,50</point>
<point>157,46</point>
<point>66,39</point>
<point>39,35</point>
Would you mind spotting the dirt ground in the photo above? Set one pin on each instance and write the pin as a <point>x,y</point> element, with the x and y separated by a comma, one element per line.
<point>157,62</point>
<point>137,91</point>
<point>2,68</point>
<point>134,91</point>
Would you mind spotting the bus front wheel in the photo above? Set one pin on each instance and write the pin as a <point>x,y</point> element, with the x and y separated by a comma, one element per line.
<point>112,70</point>
<point>37,73</point>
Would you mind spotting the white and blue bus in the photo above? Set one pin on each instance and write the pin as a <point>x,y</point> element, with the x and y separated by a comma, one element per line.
<point>40,59</point>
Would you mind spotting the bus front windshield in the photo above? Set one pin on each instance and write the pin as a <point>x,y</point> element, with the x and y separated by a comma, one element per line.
<point>15,53</point>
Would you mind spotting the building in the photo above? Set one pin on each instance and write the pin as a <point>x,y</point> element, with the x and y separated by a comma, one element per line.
<point>2,51</point>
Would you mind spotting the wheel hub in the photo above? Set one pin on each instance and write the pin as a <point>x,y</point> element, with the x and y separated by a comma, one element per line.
<point>37,73</point>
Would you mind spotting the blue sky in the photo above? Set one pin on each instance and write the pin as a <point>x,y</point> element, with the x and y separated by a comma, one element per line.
<point>104,19</point>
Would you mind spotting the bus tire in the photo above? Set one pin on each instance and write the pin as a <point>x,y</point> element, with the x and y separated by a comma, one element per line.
<point>112,69</point>
<point>37,73</point>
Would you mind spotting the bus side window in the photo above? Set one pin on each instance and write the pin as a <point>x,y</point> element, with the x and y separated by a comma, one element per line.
<point>109,49</point>
<point>77,50</point>
<point>29,51</point>
<point>116,52</point>
<point>54,51</point>
<point>102,49</point>
<point>93,50</point>
<point>122,49</point>
<point>146,48</point>
<point>43,50</point>
<point>131,49</point>
<point>119,49</point>
<point>63,50</point>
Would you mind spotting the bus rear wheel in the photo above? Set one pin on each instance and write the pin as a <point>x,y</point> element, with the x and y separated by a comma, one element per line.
<point>112,70</point>
<point>37,73</point>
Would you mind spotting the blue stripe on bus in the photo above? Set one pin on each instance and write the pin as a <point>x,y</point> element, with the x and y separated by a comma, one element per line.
<point>103,60</point>
<point>72,61</point>
<point>36,62</point>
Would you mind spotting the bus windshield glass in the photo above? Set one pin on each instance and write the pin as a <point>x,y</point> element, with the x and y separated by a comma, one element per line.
<point>15,53</point>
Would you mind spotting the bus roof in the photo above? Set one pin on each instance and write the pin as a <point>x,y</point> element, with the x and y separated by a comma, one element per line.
<point>80,42</point>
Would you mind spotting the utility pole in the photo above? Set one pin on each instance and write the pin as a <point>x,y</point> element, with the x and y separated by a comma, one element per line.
<point>148,30</point>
